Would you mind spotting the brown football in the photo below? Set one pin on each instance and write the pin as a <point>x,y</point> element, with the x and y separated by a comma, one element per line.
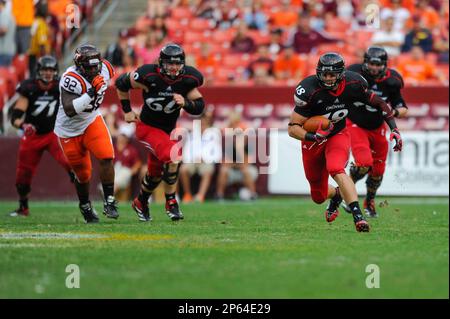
<point>312,124</point>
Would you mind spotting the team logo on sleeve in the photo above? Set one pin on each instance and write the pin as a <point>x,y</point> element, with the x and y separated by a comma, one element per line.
<point>135,76</point>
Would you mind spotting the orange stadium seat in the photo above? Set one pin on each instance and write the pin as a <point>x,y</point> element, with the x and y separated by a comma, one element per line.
<point>200,24</point>
<point>20,63</point>
<point>3,93</point>
<point>221,36</point>
<point>181,13</point>
<point>9,74</point>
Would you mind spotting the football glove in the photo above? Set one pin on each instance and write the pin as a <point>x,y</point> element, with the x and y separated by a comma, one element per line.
<point>28,129</point>
<point>395,135</point>
<point>98,83</point>
<point>321,134</point>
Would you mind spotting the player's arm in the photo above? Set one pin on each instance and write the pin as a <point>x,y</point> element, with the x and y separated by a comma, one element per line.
<point>193,103</point>
<point>396,99</point>
<point>295,126</point>
<point>74,103</point>
<point>124,84</point>
<point>19,110</point>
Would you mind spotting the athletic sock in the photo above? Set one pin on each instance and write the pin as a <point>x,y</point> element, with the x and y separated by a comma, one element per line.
<point>108,190</point>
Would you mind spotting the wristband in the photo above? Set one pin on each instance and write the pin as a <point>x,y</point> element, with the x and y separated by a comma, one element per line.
<point>126,106</point>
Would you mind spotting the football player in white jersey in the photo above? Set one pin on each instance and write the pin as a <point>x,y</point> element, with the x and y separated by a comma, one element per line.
<point>81,129</point>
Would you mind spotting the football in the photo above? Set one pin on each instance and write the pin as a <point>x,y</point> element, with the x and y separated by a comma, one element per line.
<point>312,124</point>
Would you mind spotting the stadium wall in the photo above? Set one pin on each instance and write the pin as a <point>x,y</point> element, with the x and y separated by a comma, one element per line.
<point>51,182</point>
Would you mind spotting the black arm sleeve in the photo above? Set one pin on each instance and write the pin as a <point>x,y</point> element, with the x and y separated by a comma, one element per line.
<point>16,114</point>
<point>123,82</point>
<point>195,107</point>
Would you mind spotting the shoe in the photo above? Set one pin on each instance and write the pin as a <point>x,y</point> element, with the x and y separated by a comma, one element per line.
<point>187,198</point>
<point>110,208</point>
<point>20,212</point>
<point>369,208</point>
<point>199,199</point>
<point>142,211</point>
<point>89,213</point>
<point>346,208</point>
<point>360,223</point>
<point>173,210</point>
<point>332,211</point>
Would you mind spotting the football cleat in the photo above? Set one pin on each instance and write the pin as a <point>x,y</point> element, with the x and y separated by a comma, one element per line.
<point>142,211</point>
<point>360,223</point>
<point>110,208</point>
<point>173,210</point>
<point>369,208</point>
<point>332,211</point>
<point>346,208</point>
<point>20,212</point>
<point>89,213</point>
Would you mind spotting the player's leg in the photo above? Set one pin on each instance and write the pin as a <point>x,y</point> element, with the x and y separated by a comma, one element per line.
<point>380,148</point>
<point>336,153</point>
<point>222,180</point>
<point>29,155</point>
<point>56,152</point>
<point>98,141</point>
<point>206,171</point>
<point>361,151</point>
<point>249,178</point>
<point>80,162</point>
<point>151,180</point>
<point>170,177</point>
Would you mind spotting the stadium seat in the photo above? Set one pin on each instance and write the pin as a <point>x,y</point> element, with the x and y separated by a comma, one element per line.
<point>200,24</point>
<point>9,74</point>
<point>20,63</point>
<point>180,13</point>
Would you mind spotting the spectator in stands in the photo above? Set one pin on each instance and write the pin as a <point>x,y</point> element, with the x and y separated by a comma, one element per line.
<point>275,41</point>
<point>262,60</point>
<point>261,77</point>
<point>149,53</point>
<point>418,36</point>
<point>194,161</point>
<point>222,14</point>
<point>206,62</point>
<point>159,27</point>
<point>428,15</point>
<point>23,11</point>
<point>156,8</point>
<point>127,162</point>
<point>288,66</point>
<point>416,69</point>
<point>7,35</point>
<point>40,38</point>
<point>237,167</point>
<point>242,42</point>
<point>121,54</point>
<point>284,17</point>
<point>345,10</point>
<point>398,12</point>
<point>255,18</point>
<point>441,35</point>
<point>305,39</point>
<point>389,38</point>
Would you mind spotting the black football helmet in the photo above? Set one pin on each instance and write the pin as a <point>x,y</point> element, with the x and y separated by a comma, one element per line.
<point>375,56</point>
<point>330,62</point>
<point>44,63</point>
<point>172,54</point>
<point>88,61</point>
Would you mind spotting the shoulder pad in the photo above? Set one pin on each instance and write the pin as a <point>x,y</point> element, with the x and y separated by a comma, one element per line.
<point>73,82</point>
<point>305,89</point>
<point>25,87</point>
<point>107,70</point>
<point>192,73</point>
<point>144,71</point>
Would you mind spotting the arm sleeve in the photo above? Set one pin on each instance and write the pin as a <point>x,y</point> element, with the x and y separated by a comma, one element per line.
<point>301,100</point>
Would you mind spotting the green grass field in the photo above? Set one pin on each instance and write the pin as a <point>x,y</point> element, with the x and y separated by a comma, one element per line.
<point>271,248</point>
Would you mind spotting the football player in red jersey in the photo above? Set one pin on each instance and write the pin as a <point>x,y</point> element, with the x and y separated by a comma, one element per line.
<point>167,87</point>
<point>35,113</point>
<point>366,126</point>
<point>331,93</point>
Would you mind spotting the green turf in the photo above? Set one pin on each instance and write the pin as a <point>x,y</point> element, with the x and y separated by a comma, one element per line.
<point>271,248</point>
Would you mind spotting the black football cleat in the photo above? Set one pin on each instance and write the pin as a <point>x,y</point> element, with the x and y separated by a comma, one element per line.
<point>173,210</point>
<point>142,211</point>
<point>360,223</point>
<point>20,212</point>
<point>369,208</point>
<point>110,208</point>
<point>332,211</point>
<point>89,213</point>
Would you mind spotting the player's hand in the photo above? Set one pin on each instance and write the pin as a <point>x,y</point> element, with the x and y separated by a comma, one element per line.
<point>179,99</point>
<point>28,129</point>
<point>131,117</point>
<point>98,83</point>
<point>321,134</point>
<point>395,135</point>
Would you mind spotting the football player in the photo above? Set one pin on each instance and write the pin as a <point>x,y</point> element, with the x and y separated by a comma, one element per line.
<point>35,113</point>
<point>82,130</point>
<point>366,126</point>
<point>167,87</point>
<point>331,93</point>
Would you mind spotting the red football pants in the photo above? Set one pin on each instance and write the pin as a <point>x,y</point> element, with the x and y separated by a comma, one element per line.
<point>369,147</point>
<point>162,149</point>
<point>30,152</point>
<point>320,161</point>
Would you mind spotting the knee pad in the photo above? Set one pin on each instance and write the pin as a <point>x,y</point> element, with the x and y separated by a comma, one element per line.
<point>149,183</point>
<point>170,173</point>
<point>358,172</point>
<point>83,176</point>
<point>23,189</point>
